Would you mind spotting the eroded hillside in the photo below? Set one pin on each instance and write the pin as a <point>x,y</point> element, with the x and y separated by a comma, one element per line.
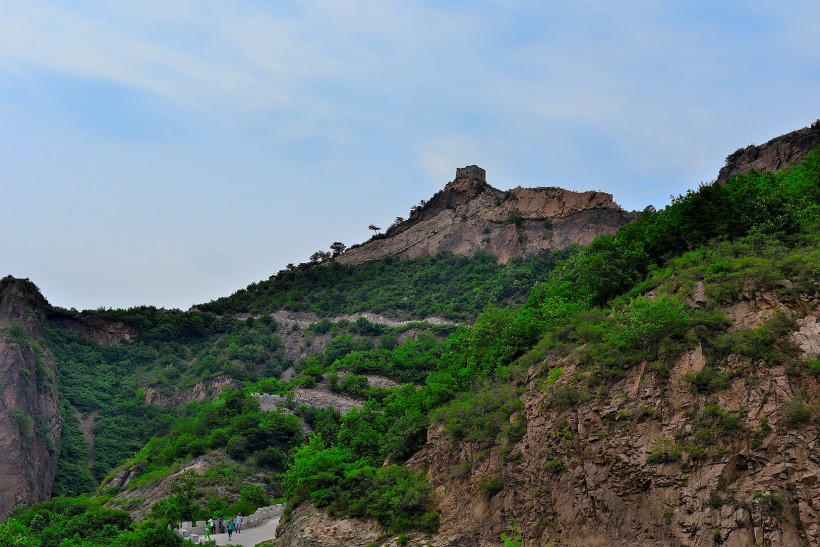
<point>774,155</point>
<point>470,216</point>
<point>718,441</point>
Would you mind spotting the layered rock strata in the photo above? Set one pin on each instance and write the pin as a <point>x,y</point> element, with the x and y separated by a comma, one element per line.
<point>470,216</point>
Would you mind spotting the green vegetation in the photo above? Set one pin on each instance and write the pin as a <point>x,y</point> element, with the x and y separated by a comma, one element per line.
<point>184,501</point>
<point>172,349</point>
<point>92,378</point>
<point>234,424</point>
<point>664,450</point>
<point>491,485</point>
<point>595,298</point>
<point>798,412</point>
<point>611,306</point>
<point>73,476</point>
<point>514,537</point>
<point>482,416</point>
<point>444,285</point>
<point>81,521</point>
<point>772,502</point>
<point>337,479</point>
<point>555,466</point>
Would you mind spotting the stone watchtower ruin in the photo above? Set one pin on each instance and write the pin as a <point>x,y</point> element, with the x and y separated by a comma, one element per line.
<point>471,172</point>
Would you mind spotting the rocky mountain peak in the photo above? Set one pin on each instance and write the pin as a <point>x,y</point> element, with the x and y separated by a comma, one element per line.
<point>17,294</point>
<point>467,186</point>
<point>774,155</point>
<point>469,216</point>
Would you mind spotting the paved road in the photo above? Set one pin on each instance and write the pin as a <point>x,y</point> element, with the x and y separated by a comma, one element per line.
<point>250,536</point>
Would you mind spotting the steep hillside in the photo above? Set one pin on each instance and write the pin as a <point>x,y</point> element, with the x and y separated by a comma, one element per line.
<point>660,388</point>
<point>445,285</point>
<point>470,216</point>
<point>774,155</point>
<point>29,421</point>
<point>122,375</point>
<point>671,448</point>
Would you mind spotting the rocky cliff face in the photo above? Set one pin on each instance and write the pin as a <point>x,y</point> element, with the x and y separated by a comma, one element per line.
<point>99,331</point>
<point>310,527</point>
<point>606,472</point>
<point>29,419</point>
<point>774,155</point>
<point>469,216</point>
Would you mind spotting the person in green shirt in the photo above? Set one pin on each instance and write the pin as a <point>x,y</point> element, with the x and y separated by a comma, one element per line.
<point>231,526</point>
<point>208,530</point>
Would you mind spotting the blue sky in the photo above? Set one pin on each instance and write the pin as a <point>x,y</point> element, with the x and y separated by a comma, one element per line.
<point>168,153</point>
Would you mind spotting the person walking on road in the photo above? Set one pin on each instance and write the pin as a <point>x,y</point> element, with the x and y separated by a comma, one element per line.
<point>208,525</point>
<point>231,526</point>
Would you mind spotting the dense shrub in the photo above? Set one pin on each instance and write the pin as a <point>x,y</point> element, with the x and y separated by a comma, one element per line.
<point>482,416</point>
<point>80,521</point>
<point>333,478</point>
<point>444,285</point>
<point>708,380</point>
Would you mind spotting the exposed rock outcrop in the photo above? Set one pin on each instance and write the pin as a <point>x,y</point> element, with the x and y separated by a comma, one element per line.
<point>470,216</point>
<point>96,329</point>
<point>318,397</point>
<point>647,463</point>
<point>175,396</point>
<point>29,419</point>
<point>309,527</point>
<point>138,500</point>
<point>774,155</point>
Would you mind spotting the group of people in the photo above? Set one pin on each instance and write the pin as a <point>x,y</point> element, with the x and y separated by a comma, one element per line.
<point>234,525</point>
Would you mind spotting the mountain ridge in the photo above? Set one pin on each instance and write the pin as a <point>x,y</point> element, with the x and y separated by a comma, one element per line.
<point>470,216</point>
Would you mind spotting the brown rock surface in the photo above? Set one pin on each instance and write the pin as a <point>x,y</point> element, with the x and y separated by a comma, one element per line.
<point>201,391</point>
<point>756,484</point>
<point>774,155</point>
<point>98,330</point>
<point>469,216</point>
<point>308,527</point>
<point>29,420</point>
